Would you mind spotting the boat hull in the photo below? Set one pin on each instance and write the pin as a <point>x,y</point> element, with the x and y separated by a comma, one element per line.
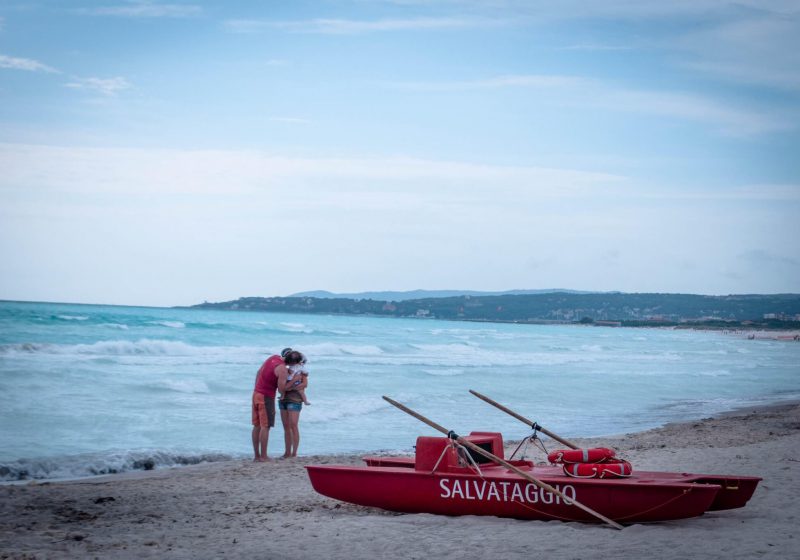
<point>502,493</point>
<point>735,491</point>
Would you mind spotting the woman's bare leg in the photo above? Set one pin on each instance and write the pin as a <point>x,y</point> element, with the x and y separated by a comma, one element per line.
<point>287,432</point>
<point>295,418</point>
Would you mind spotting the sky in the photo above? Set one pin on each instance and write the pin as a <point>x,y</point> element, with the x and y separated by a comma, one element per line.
<point>170,153</point>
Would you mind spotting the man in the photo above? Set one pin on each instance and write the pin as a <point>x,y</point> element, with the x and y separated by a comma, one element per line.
<point>264,402</point>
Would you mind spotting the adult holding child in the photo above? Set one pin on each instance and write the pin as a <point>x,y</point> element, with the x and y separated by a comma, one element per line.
<point>271,375</point>
<point>291,401</point>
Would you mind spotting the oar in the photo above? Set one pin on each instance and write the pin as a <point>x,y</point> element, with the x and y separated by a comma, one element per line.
<point>534,425</point>
<point>499,461</point>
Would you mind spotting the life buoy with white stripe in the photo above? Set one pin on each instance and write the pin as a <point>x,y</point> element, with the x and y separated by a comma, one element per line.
<point>591,455</point>
<point>613,468</point>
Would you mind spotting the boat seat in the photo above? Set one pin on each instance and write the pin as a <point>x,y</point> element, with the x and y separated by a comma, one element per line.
<point>430,450</point>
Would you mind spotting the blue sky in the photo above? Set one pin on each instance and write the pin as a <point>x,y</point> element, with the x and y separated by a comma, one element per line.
<point>166,153</point>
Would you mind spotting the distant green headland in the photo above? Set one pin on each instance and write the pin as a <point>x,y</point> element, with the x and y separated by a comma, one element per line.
<point>778,311</point>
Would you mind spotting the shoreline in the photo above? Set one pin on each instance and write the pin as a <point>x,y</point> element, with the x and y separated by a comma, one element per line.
<point>349,455</point>
<point>239,508</point>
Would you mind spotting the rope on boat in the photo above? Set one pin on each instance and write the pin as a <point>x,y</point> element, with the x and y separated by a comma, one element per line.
<point>539,442</point>
<point>618,519</point>
<point>436,466</point>
<point>533,439</point>
<point>681,495</point>
<point>521,442</point>
<point>461,451</point>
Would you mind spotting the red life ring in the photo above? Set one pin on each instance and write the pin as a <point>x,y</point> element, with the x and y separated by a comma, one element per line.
<point>614,468</point>
<point>592,455</point>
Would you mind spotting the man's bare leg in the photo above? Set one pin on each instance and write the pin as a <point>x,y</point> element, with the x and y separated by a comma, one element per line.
<point>263,440</point>
<point>256,440</point>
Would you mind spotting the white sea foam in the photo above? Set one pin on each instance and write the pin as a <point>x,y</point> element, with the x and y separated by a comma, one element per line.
<point>94,464</point>
<point>444,372</point>
<point>183,385</point>
<point>326,410</point>
<point>334,349</point>
<point>296,328</point>
<point>139,347</point>
<point>120,326</point>
<point>716,373</point>
<point>171,324</point>
<point>25,348</point>
<point>73,317</point>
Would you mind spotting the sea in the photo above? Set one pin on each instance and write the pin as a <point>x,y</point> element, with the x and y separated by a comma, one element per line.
<point>89,390</point>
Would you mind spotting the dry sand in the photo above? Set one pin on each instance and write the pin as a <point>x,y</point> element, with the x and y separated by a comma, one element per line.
<point>241,509</point>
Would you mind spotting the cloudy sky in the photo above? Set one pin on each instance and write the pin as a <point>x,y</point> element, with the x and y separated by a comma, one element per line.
<point>166,153</point>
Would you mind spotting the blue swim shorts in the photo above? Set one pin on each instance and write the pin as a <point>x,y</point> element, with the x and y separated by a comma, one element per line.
<point>289,405</point>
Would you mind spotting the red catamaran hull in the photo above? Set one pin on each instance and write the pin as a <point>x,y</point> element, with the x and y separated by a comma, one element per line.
<point>442,480</point>
<point>505,494</point>
<point>735,491</point>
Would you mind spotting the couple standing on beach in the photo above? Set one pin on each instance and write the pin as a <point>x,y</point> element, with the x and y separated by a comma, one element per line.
<point>285,374</point>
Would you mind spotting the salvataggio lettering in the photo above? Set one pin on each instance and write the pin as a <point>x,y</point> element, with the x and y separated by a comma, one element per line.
<point>490,490</point>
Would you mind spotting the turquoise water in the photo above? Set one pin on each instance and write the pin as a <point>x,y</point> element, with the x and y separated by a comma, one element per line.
<point>94,389</point>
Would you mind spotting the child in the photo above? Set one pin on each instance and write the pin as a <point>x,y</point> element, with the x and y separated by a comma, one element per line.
<point>295,378</point>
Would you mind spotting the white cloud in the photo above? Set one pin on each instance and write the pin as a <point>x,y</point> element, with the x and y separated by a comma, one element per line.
<point>767,192</point>
<point>760,51</point>
<point>106,86</point>
<point>618,9</point>
<point>595,47</point>
<point>290,120</point>
<point>166,216</point>
<point>786,193</point>
<point>133,171</point>
<point>530,80</point>
<point>27,64</point>
<point>748,41</point>
<point>577,91</point>
<point>761,256</point>
<point>145,9</point>
<point>352,27</point>
<point>728,119</point>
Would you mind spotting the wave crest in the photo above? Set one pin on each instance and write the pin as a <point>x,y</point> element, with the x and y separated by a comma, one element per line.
<point>96,464</point>
<point>141,347</point>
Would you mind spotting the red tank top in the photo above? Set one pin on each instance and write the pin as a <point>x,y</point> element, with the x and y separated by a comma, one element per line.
<point>267,380</point>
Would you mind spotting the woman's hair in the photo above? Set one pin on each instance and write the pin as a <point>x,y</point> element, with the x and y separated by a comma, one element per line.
<point>292,357</point>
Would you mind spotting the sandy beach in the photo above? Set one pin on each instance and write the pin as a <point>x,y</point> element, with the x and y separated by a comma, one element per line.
<point>241,509</point>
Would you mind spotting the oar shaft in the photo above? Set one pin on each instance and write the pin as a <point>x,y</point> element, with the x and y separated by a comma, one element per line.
<point>504,463</point>
<point>524,420</point>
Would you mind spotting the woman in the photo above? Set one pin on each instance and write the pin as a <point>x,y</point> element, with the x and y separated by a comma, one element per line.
<point>290,405</point>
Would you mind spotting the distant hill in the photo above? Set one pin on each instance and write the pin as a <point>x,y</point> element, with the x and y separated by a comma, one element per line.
<point>425,294</point>
<point>731,311</point>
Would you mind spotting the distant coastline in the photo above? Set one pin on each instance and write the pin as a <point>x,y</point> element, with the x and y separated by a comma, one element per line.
<point>746,312</point>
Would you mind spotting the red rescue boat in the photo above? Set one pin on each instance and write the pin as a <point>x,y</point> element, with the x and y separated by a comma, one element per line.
<point>444,478</point>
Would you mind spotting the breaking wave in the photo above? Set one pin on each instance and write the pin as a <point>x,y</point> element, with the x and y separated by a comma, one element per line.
<point>146,347</point>
<point>96,464</point>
